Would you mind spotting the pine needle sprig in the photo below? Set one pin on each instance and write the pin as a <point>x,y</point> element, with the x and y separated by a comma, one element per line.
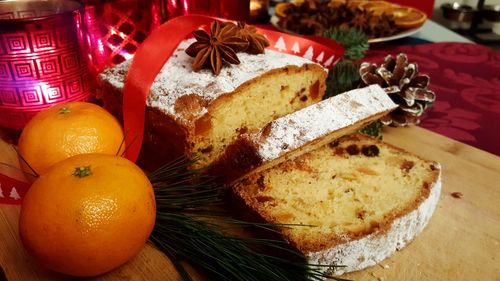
<point>342,78</point>
<point>191,226</point>
<point>373,129</point>
<point>229,257</point>
<point>33,172</point>
<point>15,168</point>
<point>178,188</point>
<point>173,170</point>
<point>354,41</point>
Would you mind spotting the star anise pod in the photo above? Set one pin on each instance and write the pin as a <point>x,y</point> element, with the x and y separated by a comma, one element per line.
<point>222,44</point>
<point>309,17</point>
<point>256,41</point>
<point>359,20</point>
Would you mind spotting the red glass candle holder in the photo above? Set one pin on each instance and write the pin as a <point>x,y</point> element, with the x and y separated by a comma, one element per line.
<point>114,29</point>
<point>41,62</point>
<point>175,8</point>
<point>229,9</point>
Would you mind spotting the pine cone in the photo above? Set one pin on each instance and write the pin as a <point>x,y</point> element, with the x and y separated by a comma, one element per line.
<point>406,87</point>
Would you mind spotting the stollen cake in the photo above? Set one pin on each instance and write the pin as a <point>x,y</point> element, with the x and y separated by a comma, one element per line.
<point>358,200</point>
<point>302,131</point>
<point>199,113</point>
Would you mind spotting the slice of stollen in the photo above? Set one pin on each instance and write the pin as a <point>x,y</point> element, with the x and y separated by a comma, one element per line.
<point>302,131</point>
<point>358,198</point>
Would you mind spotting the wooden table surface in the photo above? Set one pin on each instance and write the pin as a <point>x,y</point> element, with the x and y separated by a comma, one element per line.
<point>461,242</point>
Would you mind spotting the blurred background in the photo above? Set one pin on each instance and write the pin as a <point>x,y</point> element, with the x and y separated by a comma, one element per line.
<point>477,20</point>
<point>52,50</point>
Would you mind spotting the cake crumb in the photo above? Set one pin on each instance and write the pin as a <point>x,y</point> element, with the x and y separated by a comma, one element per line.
<point>457,195</point>
<point>379,278</point>
<point>384,266</point>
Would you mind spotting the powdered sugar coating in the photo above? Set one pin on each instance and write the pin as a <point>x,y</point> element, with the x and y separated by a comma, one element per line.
<point>368,251</point>
<point>177,78</point>
<point>296,129</point>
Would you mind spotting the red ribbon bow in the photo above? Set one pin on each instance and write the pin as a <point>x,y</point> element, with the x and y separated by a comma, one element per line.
<point>159,46</point>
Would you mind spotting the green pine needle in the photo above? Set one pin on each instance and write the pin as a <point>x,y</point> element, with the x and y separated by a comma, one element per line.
<point>373,129</point>
<point>188,228</point>
<point>342,78</point>
<point>226,257</point>
<point>354,41</point>
<point>179,189</point>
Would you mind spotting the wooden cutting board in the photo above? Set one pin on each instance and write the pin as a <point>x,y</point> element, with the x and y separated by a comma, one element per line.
<point>462,241</point>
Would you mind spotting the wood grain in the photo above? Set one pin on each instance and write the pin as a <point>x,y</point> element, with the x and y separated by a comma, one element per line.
<point>462,241</point>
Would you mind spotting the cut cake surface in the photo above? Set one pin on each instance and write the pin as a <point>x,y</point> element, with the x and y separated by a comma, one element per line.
<point>359,200</point>
<point>199,113</point>
<point>302,131</point>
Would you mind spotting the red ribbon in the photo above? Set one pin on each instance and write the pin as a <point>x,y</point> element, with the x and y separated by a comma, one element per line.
<point>12,191</point>
<point>159,46</point>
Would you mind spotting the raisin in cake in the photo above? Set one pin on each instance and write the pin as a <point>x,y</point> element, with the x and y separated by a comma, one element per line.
<point>360,198</point>
<point>198,113</point>
<point>302,131</point>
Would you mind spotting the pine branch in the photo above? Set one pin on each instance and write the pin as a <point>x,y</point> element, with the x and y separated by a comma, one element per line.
<point>26,162</point>
<point>225,257</point>
<point>177,188</point>
<point>18,169</point>
<point>354,41</point>
<point>189,228</point>
<point>342,78</point>
<point>374,129</point>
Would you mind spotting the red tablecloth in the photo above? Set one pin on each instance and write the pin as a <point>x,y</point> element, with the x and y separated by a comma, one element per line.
<point>466,78</point>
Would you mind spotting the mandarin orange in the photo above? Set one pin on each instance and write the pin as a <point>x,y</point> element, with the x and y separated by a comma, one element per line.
<point>68,129</point>
<point>88,214</point>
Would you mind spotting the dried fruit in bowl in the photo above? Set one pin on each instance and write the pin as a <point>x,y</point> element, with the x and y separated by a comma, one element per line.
<point>88,214</point>
<point>68,129</point>
<point>282,9</point>
<point>406,17</point>
<point>377,7</point>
